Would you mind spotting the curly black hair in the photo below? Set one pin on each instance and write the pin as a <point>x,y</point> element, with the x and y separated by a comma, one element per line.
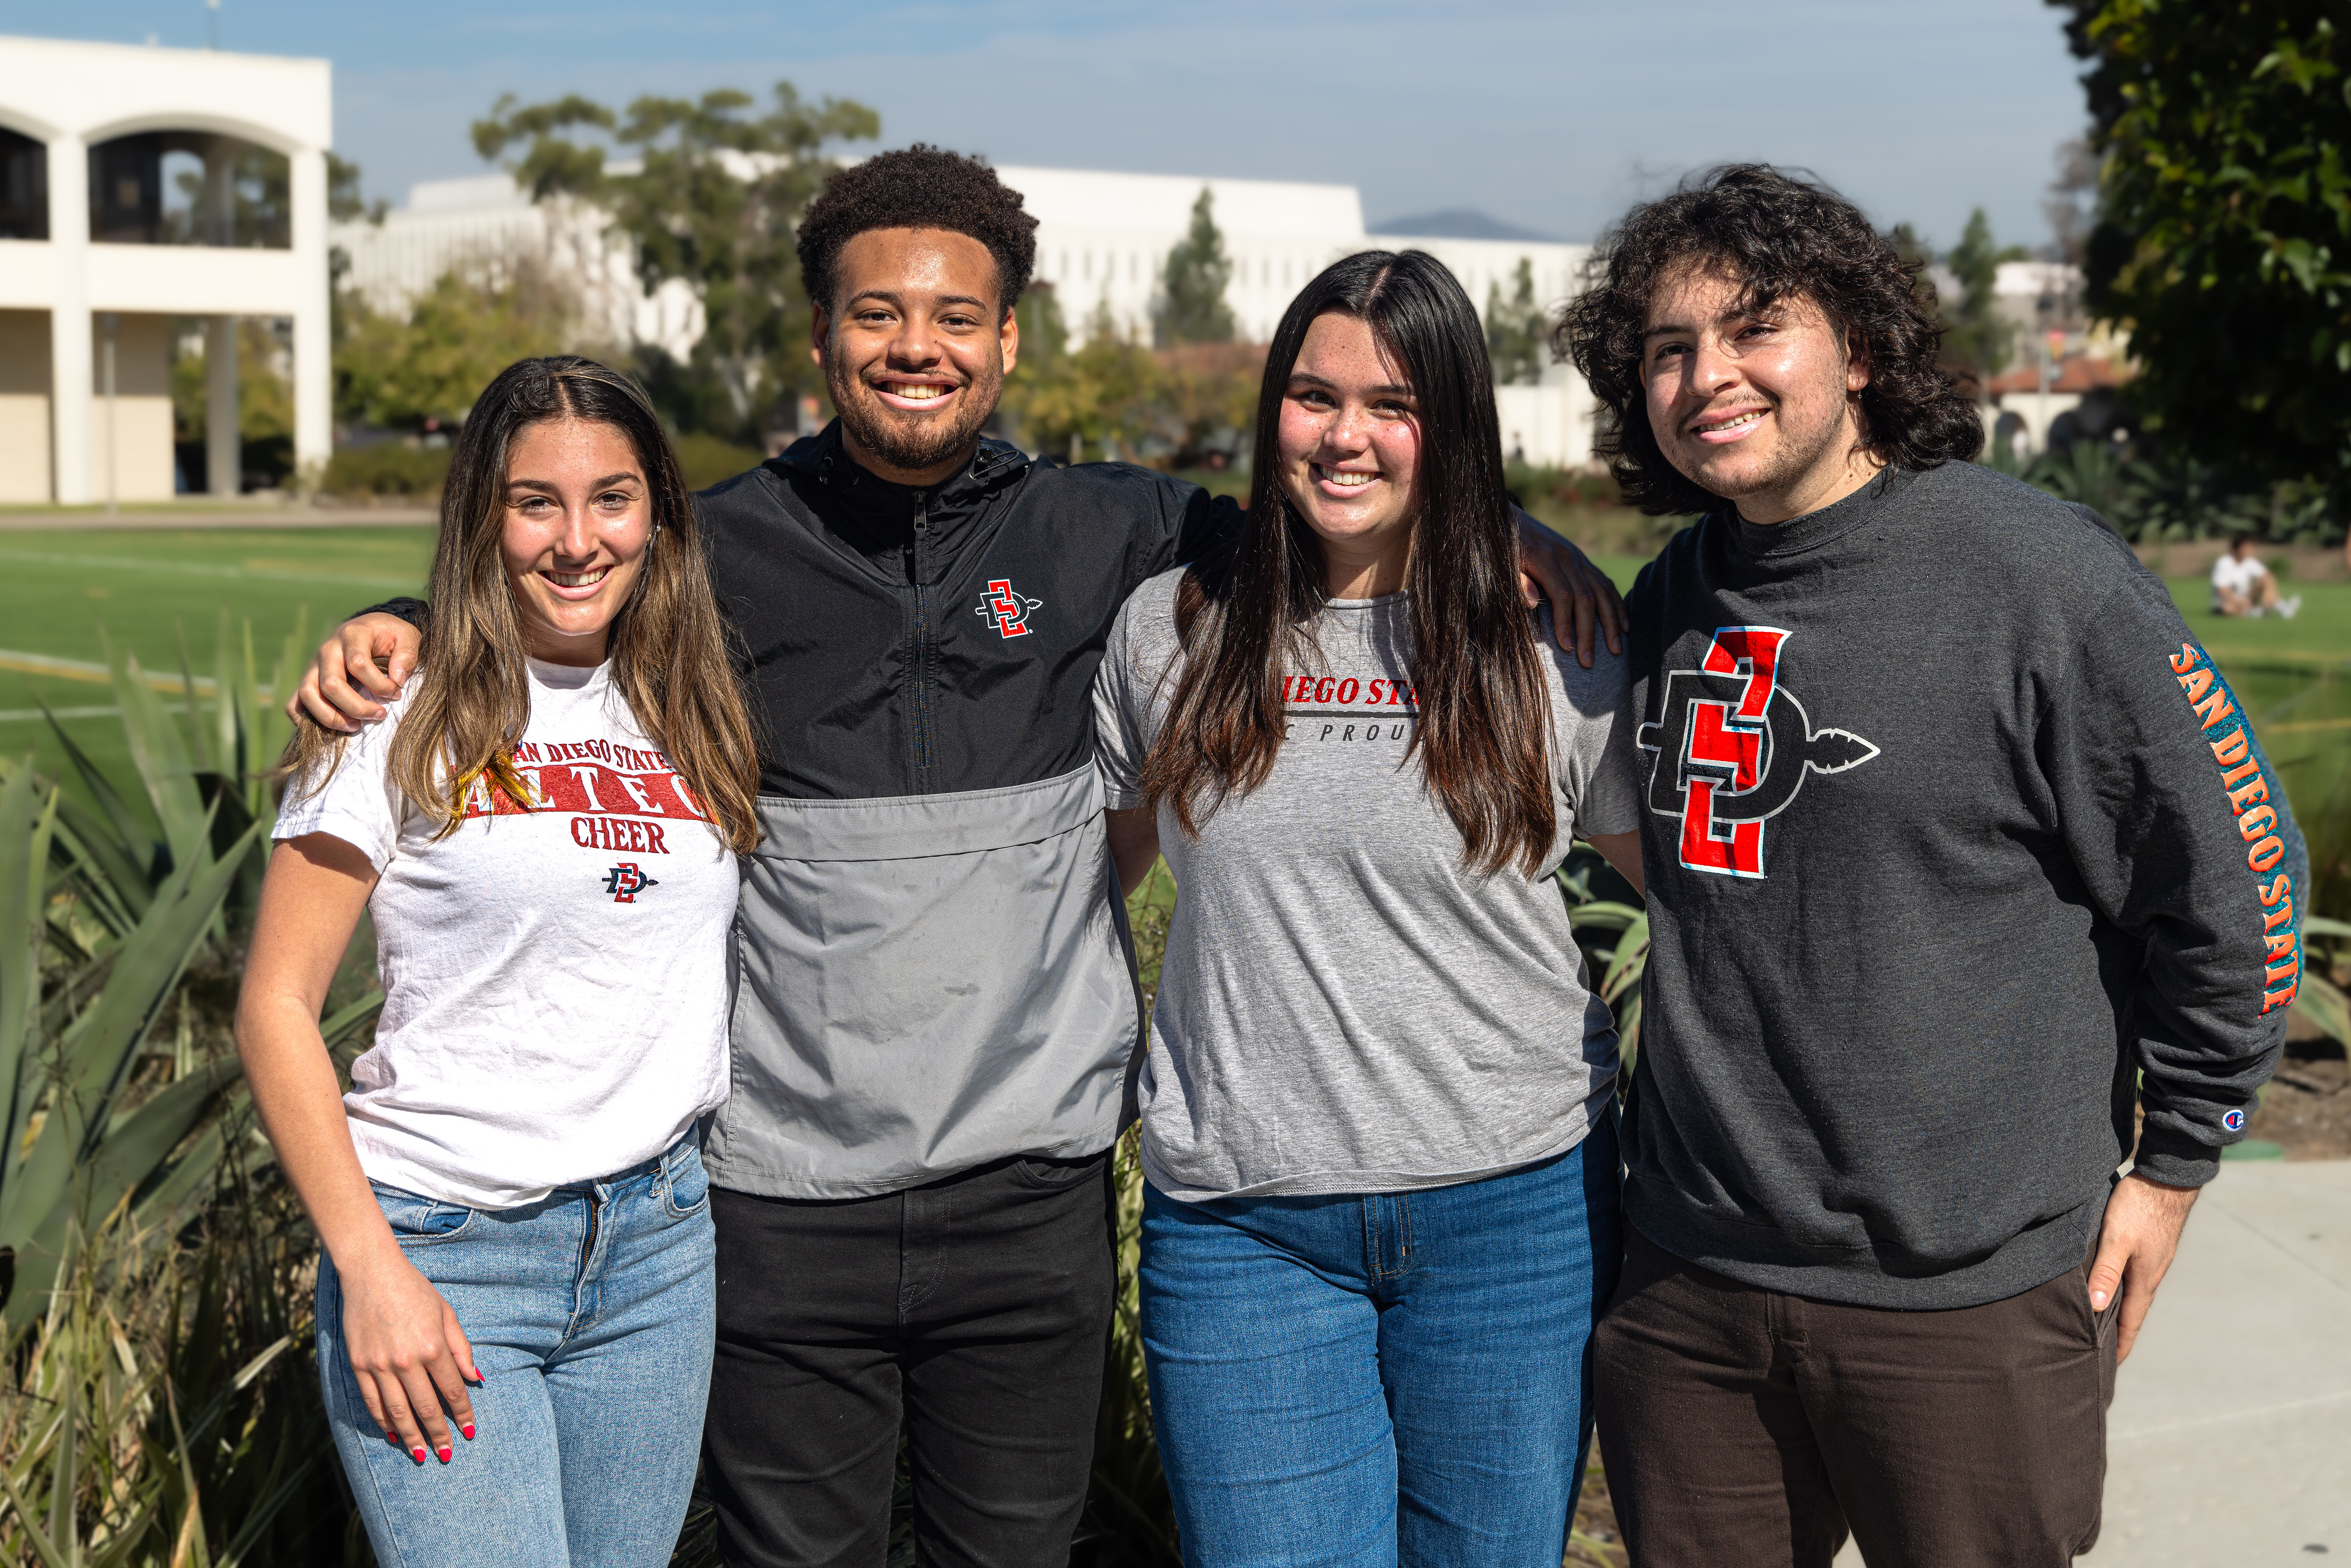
<point>922,187</point>
<point>1784,238</point>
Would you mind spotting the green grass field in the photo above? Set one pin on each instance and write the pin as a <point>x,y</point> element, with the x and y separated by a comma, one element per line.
<point>68,592</point>
<point>142,588</point>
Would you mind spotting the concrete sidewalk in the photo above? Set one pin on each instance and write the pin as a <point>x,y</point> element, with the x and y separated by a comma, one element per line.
<point>2230,1441</point>
<point>216,514</point>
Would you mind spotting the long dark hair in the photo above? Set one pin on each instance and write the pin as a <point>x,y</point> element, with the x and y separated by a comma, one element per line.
<point>668,643</point>
<point>1780,237</point>
<point>1484,732</point>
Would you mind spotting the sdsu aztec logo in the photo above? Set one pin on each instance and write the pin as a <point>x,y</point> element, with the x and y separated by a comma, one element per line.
<point>1010,610</point>
<point>625,881</point>
<point>1733,746</point>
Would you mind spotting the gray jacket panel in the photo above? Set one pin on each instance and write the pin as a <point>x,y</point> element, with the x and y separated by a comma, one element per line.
<point>926,984</point>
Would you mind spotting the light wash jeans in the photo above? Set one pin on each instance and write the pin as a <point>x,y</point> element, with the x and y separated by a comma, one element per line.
<point>592,1315</point>
<point>1360,1382</point>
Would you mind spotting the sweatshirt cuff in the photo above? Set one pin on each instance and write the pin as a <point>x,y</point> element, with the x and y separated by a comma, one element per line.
<point>412,610</point>
<point>2175,1159</point>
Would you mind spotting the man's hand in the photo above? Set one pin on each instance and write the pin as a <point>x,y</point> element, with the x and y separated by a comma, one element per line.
<point>1582,600</point>
<point>2135,1246</point>
<point>360,665</point>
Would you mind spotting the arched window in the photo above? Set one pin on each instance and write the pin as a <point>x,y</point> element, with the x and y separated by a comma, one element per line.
<point>189,187</point>
<point>24,187</point>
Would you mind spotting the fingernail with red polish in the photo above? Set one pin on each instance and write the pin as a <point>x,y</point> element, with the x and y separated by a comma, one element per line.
<point>417,1454</point>
<point>446,1452</point>
<point>468,1429</point>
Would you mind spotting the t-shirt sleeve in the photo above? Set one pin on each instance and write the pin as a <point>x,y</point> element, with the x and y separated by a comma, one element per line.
<point>1597,763</point>
<point>356,802</point>
<point>1119,743</point>
<point>2178,827</point>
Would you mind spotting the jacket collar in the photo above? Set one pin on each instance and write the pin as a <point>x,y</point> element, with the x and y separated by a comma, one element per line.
<point>823,459</point>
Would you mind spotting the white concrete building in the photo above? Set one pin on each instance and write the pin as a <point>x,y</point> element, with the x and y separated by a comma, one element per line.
<point>1102,241</point>
<point>138,184</point>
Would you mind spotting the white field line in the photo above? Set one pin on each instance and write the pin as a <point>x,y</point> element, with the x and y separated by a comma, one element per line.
<point>25,664</point>
<point>34,714</point>
<point>192,569</point>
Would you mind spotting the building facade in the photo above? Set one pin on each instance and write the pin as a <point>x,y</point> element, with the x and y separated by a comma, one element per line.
<point>1102,241</point>
<point>137,185</point>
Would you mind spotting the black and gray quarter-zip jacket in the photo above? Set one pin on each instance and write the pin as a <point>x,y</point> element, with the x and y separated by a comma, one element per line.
<point>933,965</point>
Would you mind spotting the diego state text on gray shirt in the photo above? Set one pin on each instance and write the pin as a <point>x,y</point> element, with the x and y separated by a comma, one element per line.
<point>1344,1008</point>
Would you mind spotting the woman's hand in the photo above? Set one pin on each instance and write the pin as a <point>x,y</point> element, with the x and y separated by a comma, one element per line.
<point>409,1353</point>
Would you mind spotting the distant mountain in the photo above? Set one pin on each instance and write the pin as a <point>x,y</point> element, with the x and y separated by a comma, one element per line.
<point>1458,222</point>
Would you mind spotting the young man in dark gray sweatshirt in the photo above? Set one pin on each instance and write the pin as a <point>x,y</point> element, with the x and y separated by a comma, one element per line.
<point>1967,882</point>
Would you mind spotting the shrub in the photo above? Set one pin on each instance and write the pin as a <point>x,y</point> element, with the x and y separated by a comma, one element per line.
<point>708,459</point>
<point>388,468</point>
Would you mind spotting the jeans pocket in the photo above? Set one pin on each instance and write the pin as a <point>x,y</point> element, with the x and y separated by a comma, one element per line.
<point>418,1221</point>
<point>1040,1174</point>
<point>685,1186</point>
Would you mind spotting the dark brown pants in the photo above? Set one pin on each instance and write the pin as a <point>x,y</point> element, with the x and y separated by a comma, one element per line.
<point>1741,1427</point>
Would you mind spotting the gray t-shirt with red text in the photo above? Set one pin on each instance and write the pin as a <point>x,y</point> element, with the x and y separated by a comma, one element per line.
<point>1343,1007</point>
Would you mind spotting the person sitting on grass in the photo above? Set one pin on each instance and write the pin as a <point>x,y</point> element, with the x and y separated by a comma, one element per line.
<point>2242,586</point>
<point>545,828</point>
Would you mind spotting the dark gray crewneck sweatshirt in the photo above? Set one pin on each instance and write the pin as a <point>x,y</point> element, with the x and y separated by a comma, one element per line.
<point>1952,833</point>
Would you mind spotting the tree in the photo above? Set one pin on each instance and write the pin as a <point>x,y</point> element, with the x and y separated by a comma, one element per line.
<point>1974,334</point>
<point>714,204</point>
<point>2224,240</point>
<point>1098,399</point>
<point>1198,273</point>
<point>428,368</point>
<point>1515,335</point>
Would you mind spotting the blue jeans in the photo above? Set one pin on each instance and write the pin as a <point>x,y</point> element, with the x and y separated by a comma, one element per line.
<point>1370,1381</point>
<point>592,1315</point>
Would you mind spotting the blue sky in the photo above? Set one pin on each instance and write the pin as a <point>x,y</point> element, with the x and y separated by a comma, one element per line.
<point>1553,116</point>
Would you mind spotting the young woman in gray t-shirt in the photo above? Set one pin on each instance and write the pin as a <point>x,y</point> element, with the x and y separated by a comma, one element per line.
<point>1382,1202</point>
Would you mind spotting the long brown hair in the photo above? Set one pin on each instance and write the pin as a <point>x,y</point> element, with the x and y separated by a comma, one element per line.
<point>471,702</point>
<point>1484,733</point>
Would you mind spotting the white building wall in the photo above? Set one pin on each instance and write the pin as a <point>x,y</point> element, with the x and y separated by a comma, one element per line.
<point>73,95</point>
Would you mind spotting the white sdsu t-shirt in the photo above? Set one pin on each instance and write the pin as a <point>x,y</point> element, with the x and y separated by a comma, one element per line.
<point>555,978</point>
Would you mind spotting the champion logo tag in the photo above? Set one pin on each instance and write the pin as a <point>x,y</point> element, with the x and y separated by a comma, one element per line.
<point>624,882</point>
<point>2234,1121</point>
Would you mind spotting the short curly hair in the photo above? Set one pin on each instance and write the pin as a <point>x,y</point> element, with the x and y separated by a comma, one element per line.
<point>1783,238</point>
<point>921,187</point>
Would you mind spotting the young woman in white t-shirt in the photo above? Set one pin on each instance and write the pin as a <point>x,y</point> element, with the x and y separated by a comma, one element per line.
<point>545,827</point>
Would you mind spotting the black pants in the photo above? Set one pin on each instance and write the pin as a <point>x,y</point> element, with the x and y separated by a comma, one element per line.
<point>976,1310</point>
<point>1747,1426</point>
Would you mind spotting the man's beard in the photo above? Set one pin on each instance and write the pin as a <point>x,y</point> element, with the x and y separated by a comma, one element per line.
<point>916,441</point>
<point>1799,453</point>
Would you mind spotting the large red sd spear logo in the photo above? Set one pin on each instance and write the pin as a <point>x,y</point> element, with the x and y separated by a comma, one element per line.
<point>1733,746</point>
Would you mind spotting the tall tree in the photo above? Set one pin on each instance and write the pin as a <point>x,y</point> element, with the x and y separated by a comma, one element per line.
<point>1198,273</point>
<point>713,202</point>
<point>2224,240</point>
<point>1974,331</point>
<point>1514,330</point>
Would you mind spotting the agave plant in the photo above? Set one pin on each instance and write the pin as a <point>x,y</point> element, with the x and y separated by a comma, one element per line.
<point>154,1280</point>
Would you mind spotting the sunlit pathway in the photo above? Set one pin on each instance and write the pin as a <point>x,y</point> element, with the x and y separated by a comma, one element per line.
<point>2230,1442</point>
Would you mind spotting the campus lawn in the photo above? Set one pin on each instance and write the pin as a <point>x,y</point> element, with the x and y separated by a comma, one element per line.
<point>60,586</point>
<point>66,593</point>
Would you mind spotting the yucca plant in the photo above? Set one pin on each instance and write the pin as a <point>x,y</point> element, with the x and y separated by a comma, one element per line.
<point>1612,927</point>
<point>161,1407</point>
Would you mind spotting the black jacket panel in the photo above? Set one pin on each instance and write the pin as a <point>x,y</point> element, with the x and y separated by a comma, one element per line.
<point>903,641</point>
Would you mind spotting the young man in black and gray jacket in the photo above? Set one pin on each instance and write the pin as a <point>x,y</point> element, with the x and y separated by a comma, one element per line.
<point>937,1008</point>
<point>1963,864</point>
